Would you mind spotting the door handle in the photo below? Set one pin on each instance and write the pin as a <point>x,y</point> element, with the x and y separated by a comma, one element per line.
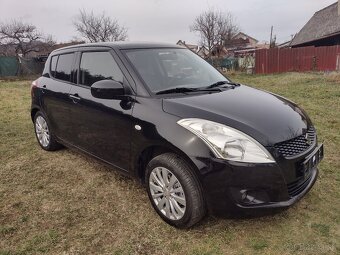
<point>75,98</point>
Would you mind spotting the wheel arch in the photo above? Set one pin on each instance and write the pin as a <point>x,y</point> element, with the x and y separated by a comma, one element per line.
<point>34,111</point>
<point>154,150</point>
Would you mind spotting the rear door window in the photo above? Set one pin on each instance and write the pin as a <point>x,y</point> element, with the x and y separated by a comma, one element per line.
<point>64,67</point>
<point>96,66</point>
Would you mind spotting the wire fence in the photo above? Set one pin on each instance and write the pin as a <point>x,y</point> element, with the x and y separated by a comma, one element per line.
<point>19,66</point>
<point>243,63</point>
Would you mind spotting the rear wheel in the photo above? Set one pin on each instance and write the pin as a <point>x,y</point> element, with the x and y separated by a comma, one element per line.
<point>43,133</point>
<point>174,191</point>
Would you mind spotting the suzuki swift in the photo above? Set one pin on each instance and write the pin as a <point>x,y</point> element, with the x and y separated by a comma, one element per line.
<point>198,141</point>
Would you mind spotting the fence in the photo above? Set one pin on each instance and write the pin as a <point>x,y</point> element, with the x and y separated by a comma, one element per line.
<point>12,66</point>
<point>8,66</point>
<point>297,59</point>
<point>233,63</point>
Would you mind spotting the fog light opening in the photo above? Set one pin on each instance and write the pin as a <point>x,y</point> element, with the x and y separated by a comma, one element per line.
<point>249,197</point>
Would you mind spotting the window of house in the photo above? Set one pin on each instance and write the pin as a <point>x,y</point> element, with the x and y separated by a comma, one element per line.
<point>96,66</point>
<point>64,66</point>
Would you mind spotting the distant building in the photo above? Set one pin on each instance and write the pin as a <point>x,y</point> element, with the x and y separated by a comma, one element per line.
<point>242,44</point>
<point>241,40</point>
<point>323,29</point>
<point>199,50</point>
<point>285,44</point>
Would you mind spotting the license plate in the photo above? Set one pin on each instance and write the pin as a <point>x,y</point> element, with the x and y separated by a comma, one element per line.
<point>312,161</point>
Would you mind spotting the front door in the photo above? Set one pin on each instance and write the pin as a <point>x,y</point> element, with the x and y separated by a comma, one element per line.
<point>102,126</point>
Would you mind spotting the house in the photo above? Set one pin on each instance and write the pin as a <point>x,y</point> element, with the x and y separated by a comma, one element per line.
<point>241,40</point>
<point>323,29</point>
<point>199,50</point>
<point>203,52</point>
<point>285,44</point>
<point>192,47</point>
<point>241,44</point>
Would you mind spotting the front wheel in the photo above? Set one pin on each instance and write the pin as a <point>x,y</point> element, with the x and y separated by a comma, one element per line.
<point>174,191</point>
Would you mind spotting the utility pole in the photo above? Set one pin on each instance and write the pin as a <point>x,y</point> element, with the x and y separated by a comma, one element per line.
<point>271,37</point>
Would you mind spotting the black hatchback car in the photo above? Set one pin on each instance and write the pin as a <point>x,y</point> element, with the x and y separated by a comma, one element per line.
<point>162,114</point>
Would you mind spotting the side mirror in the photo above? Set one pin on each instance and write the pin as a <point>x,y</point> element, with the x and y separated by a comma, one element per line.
<point>107,89</point>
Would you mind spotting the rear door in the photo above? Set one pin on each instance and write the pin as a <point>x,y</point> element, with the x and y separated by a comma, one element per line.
<point>101,127</point>
<point>56,102</point>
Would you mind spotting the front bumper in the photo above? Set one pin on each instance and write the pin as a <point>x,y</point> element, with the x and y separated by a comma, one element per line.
<point>243,189</point>
<point>283,204</point>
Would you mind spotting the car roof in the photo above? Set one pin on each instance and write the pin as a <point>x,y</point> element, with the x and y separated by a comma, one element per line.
<point>123,45</point>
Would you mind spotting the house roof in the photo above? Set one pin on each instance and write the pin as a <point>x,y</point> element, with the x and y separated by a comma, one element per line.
<point>245,35</point>
<point>285,44</point>
<point>323,24</point>
<point>192,47</point>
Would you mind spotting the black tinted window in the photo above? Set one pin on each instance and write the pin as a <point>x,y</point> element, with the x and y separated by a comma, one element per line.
<point>96,66</point>
<point>54,60</point>
<point>64,65</point>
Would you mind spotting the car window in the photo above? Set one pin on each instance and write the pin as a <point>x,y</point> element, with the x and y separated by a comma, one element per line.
<point>96,66</point>
<point>64,66</point>
<point>54,60</point>
<point>163,69</point>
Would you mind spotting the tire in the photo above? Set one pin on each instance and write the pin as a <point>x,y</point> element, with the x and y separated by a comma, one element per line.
<point>167,199</point>
<point>43,133</point>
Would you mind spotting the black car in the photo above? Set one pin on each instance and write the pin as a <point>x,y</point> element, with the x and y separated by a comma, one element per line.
<point>162,114</point>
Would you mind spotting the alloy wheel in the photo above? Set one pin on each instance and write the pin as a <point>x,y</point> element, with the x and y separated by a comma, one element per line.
<point>42,131</point>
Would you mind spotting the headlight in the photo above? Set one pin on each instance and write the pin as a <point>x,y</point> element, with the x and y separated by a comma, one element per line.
<point>228,143</point>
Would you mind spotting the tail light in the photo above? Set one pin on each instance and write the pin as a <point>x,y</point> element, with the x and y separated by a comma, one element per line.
<point>33,86</point>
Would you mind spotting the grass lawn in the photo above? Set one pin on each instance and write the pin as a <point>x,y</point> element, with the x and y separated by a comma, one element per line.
<point>66,203</point>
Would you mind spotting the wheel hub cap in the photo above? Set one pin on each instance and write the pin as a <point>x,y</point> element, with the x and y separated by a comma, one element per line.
<point>42,131</point>
<point>167,193</point>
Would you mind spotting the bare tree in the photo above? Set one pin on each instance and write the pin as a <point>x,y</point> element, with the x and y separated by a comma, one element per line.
<point>227,26</point>
<point>100,28</point>
<point>23,37</point>
<point>214,28</point>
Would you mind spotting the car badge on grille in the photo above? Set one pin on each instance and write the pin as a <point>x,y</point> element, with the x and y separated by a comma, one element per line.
<point>309,140</point>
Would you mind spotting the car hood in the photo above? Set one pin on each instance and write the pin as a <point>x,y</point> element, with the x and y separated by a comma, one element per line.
<point>266,117</point>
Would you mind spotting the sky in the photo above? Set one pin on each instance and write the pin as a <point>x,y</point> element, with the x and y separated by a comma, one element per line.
<point>165,20</point>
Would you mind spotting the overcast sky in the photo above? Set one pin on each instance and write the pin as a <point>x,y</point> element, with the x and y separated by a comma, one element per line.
<point>165,20</point>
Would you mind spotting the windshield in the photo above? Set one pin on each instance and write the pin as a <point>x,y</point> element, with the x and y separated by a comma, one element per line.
<point>168,68</point>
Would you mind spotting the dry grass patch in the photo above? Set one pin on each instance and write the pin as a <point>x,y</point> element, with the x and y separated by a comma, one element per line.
<point>66,203</point>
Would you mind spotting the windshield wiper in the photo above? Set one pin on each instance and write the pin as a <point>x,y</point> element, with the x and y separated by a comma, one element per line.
<point>184,90</point>
<point>221,83</point>
<point>175,90</point>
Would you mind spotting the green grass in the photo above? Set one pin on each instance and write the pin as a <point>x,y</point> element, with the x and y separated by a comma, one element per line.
<point>66,203</point>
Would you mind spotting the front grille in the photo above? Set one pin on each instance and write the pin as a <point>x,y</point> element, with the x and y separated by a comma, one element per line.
<point>298,144</point>
<point>296,187</point>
